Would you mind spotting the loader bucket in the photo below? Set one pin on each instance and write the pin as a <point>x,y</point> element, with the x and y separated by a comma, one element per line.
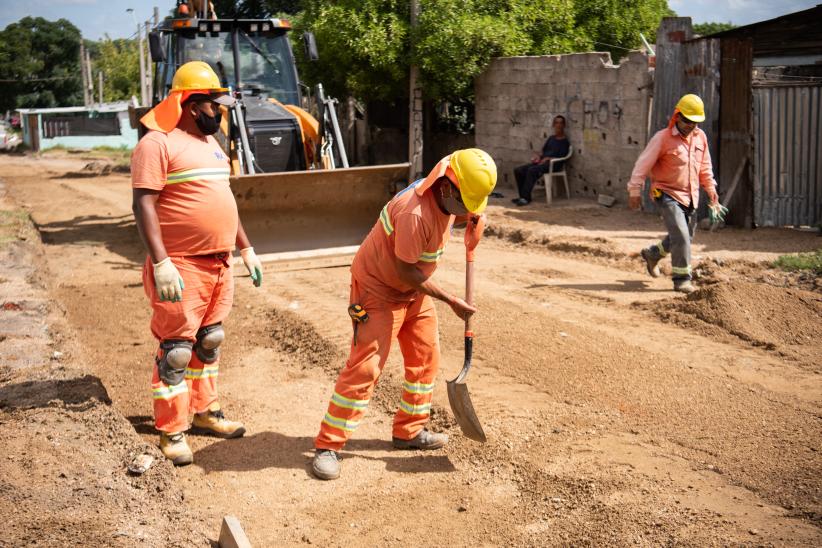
<point>308,215</point>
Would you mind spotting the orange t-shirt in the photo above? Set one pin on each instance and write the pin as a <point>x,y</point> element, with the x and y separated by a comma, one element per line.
<point>411,228</point>
<point>197,211</point>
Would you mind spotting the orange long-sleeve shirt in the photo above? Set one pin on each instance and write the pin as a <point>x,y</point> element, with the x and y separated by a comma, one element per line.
<point>677,166</point>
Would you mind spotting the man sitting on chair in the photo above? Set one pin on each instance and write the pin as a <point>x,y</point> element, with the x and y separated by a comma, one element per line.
<point>557,146</point>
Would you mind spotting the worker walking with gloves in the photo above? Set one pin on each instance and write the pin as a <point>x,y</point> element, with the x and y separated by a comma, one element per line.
<point>187,218</point>
<point>392,296</point>
<point>678,162</point>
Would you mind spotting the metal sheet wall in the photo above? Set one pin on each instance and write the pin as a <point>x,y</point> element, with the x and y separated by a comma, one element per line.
<point>787,163</point>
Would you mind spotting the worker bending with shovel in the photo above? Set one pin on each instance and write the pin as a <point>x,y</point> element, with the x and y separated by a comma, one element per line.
<point>678,161</point>
<point>187,219</point>
<point>392,296</point>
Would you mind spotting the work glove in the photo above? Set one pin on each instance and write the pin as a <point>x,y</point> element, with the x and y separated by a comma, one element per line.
<point>253,265</point>
<point>168,281</point>
<point>716,212</point>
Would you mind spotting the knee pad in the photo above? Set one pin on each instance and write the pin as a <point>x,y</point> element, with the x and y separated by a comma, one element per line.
<point>209,339</point>
<point>172,364</point>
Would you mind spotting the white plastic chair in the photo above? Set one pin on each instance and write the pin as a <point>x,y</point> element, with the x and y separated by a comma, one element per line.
<point>547,180</point>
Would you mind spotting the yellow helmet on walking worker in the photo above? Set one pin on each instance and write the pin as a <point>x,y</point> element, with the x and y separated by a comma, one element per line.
<point>476,175</point>
<point>196,75</point>
<point>691,107</point>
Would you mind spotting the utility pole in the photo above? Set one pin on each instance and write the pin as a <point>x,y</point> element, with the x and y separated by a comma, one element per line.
<point>86,98</point>
<point>414,109</point>
<point>148,68</point>
<point>89,79</point>
<point>143,100</point>
<point>156,16</point>
<point>100,81</point>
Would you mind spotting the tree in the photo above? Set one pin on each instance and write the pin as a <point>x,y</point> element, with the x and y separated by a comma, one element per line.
<point>40,64</point>
<point>367,46</point>
<point>704,29</point>
<point>256,9</point>
<point>120,62</point>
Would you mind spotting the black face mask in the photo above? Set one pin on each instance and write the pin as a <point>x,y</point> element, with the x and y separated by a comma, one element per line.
<point>208,124</point>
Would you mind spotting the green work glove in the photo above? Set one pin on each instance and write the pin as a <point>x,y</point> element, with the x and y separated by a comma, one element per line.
<point>717,212</point>
<point>253,265</point>
<point>168,281</point>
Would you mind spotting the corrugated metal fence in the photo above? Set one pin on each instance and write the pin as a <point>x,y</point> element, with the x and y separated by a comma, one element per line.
<point>787,163</point>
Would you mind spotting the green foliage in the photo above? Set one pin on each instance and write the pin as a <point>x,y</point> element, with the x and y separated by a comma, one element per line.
<point>40,64</point>
<point>795,262</point>
<point>704,29</point>
<point>367,46</point>
<point>120,62</point>
<point>255,9</point>
<point>614,25</point>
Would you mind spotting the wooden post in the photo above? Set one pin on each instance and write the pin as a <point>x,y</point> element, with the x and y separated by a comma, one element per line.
<point>149,82</point>
<point>143,98</point>
<point>84,74</point>
<point>414,110</point>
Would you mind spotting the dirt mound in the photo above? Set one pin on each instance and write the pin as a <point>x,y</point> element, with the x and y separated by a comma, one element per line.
<point>786,320</point>
<point>297,337</point>
<point>97,168</point>
<point>63,477</point>
<point>596,248</point>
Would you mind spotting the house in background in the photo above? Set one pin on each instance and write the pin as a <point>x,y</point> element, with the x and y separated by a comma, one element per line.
<point>98,125</point>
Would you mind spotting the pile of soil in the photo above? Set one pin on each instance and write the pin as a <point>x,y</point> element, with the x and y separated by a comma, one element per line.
<point>785,320</point>
<point>64,478</point>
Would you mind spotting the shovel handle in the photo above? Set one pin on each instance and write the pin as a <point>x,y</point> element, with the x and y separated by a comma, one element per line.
<point>469,293</point>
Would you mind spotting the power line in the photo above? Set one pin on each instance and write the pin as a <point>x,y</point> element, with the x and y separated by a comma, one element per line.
<point>7,80</point>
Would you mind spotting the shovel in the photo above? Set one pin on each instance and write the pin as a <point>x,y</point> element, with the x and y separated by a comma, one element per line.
<point>458,395</point>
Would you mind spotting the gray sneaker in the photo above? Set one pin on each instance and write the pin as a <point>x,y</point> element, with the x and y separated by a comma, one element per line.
<point>326,465</point>
<point>684,286</point>
<point>651,264</point>
<point>423,440</point>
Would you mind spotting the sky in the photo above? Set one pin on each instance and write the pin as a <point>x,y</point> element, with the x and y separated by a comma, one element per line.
<point>95,18</point>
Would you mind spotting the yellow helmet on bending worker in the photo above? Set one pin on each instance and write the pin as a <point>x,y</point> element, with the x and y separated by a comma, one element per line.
<point>476,175</point>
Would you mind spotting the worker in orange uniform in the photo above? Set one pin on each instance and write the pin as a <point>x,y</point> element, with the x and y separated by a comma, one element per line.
<point>392,296</point>
<point>187,217</point>
<point>678,161</point>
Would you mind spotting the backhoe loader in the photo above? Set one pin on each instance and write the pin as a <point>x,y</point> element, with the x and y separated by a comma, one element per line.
<point>300,201</point>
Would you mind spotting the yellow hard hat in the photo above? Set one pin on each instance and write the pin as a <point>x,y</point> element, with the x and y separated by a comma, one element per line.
<point>196,75</point>
<point>476,177</point>
<point>691,107</point>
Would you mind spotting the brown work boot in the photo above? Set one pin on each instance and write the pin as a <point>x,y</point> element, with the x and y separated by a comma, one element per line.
<point>684,286</point>
<point>651,264</point>
<point>423,440</point>
<point>216,423</point>
<point>176,449</point>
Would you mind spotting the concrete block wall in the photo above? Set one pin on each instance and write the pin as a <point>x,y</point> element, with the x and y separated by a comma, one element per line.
<point>606,107</point>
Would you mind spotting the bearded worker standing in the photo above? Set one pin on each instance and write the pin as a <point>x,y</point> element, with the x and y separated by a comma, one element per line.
<point>679,163</point>
<point>187,218</point>
<point>392,291</point>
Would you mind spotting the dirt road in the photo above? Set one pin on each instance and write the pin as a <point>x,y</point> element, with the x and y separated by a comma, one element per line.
<point>616,412</point>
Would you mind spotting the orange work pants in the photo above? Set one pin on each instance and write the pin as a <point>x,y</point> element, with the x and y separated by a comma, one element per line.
<point>207,298</point>
<point>414,325</point>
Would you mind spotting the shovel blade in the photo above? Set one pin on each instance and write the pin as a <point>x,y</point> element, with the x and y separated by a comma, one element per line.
<point>463,410</point>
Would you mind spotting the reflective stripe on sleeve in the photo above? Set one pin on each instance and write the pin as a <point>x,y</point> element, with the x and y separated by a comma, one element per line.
<point>386,221</point>
<point>432,257</point>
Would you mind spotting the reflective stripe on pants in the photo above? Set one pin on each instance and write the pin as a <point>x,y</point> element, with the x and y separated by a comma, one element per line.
<point>207,299</point>
<point>414,325</point>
